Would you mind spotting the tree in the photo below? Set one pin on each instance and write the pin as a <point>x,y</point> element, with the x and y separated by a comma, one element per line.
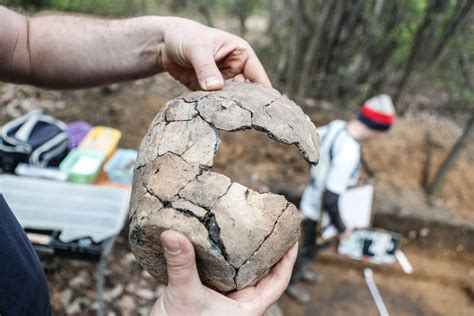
<point>451,158</point>
<point>461,12</point>
<point>432,10</point>
<point>455,151</point>
<point>243,8</point>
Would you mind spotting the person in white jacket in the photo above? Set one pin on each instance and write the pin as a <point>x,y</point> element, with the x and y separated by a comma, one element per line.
<point>337,170</point>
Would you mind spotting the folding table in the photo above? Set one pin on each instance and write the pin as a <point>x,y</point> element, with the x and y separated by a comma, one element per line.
<point>69,220</point>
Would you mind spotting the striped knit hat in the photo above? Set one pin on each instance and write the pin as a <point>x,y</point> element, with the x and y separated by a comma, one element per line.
<point>377,113</point>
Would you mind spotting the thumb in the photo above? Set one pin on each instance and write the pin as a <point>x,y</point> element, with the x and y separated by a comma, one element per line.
<point>183,278</point>
<point>207,73</point>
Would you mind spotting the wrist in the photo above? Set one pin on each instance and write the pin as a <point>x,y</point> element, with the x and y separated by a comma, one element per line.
<point>170,25</point>
<point>155,29</point>
<point>165,29</point>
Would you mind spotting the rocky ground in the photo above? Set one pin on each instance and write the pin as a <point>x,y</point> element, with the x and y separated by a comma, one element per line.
<point>440,286</point>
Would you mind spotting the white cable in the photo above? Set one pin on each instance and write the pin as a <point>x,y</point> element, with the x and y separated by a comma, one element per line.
<point>369,279</point>
<point>403,261</point>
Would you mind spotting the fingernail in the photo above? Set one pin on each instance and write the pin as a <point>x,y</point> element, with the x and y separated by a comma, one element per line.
<point>172,246</point>
<point>212,83</point>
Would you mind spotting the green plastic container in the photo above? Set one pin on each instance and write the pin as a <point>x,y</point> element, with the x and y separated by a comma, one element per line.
<point>82,166</point>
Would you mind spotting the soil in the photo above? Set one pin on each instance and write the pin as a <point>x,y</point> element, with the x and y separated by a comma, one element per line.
<point>444,284</point>
<point>441,284</point>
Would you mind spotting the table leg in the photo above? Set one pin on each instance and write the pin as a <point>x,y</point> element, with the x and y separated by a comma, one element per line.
<point>102,268</point>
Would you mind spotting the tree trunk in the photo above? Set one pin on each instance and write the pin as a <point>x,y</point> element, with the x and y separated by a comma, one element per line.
<point>203,8</point>
<point>416,46</point>
<point>333,27</point>
<point>311,55</point>
<point>464,63</point>
<point>378,53</point>
<point>378,8</point>
<point>461,12</point>
<point>143,7</point>
<point>281,66</point>
<point>296,48</point>
<point>242,12</point>
<point>425,172</point>
<point>343,50</point>
<point>451,158</point>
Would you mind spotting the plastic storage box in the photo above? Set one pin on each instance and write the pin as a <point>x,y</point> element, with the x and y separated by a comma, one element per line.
<point>120,166</point>
<point>103,139</point>
<point>76,132</point>
<point>82,166</point>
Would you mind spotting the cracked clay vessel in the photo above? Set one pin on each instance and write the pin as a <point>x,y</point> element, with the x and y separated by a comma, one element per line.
<point>238,234</point>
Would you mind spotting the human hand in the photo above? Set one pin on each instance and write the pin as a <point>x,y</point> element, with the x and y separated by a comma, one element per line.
<point>186,295</point>
<point>201,56</point>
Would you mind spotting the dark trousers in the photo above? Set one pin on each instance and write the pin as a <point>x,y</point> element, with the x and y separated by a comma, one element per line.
<point>308,251</point>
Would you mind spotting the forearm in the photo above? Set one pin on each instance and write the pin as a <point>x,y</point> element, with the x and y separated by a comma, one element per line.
<point>70,51</point>
<point>61,51</point>
<point>331,206</point>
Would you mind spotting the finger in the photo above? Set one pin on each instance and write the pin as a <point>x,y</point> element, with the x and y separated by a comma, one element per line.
<point>183,278</point>
<point>254,71</point>
<point>183,75</point>
<point>204,64</point>
<point>270,288</point>
<point>239,78</point>
<point>186,77</point>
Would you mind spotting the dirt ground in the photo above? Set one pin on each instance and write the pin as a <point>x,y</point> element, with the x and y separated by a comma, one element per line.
<point>441,285</point>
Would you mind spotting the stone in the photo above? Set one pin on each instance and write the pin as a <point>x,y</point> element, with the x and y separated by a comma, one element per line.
<point>145,294</point>
<point>127,305</point>
<point>238,234</point>
<point>144,311</point>
<point>65,296</point>
<point>129,258</point>
<point>111,295</point>
<point>78,306</point>
<point>81,279</point>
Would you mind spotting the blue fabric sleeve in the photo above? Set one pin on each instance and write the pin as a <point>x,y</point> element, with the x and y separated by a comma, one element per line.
<point>23,286</point>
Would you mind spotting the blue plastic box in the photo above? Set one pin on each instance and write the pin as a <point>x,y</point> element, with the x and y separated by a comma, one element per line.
<point>120,167</point>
